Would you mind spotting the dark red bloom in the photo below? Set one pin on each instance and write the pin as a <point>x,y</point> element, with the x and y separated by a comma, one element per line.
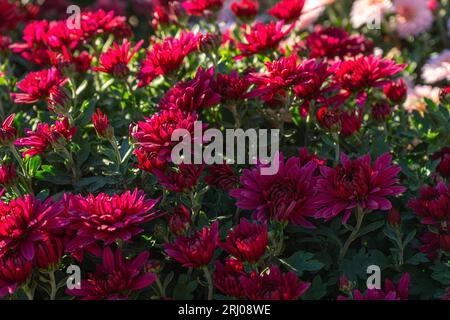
<point>7,131</point>
<point>396,92</point>
<point>108,218</point>
<point>166,58</point>
<point>350,122</point>
<point>263,37</point>
<point>381,111</point>
<point>7,175</point>
<point>227,276</point>
<point>444,95</point>
<point>116,278</point>
<point>14,271</point>
<point>394,218</point>
<point>49,253</point>
<point>273,285</point>
<point>200,7</point>
<point>327,119</point>
<point>433,204</point>
<point>287,195</point>
<point>246,241</point>
<point>9,15</point>
<point>304,157</point>
<point>68,63</point>
<point>334,42</point>
<point>5,42</point>
<point>115,60</point>
<point>38,86</point>
<point>101,125</point>
<point>180,179</point>
<point>46,135</point>
<point>149,161</point>
<point>444,165</point>
<point>430,245</point>
<point>245,10</point>
<point>287,10</point>
<point>232,87</point>
<point>179,220</point>
<point>26,221</point>
<point>221,176</point>
<point>155,133</point>
<point>357,183</point>
<point>199,93</point>
<point>195,251</point>
<point>390,292</point>
<point>101,22</point>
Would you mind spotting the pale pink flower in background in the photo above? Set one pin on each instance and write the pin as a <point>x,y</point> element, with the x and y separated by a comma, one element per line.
<point>365,11</point>
<point>437,68</point>
<point>312,10</point>
<point>413,17</point>
<point>416,95</point>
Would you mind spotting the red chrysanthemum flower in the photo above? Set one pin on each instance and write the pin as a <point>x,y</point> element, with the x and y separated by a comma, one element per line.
<point>14,271</point>
<point>183,178</point>
<point>396,92</point>
<point>232,87</point>
<point>26,221</point>
<point>166,58</point>
<point>334,43</point>
<point>35,47</point>
<point>390,292</point>
<point>287,10</point>
<point>444,164</point>
<point>246,241</point>
<point>245,10</point>
<point>381,111</point>
<point>327,119</point>
<point>273,285</point>
<point>227,276</point>
<point>155,133</point>
<point>68,63</point>
<point>350,122</point>
<point>9,15</point>
<point>115,60</point>
<point>38,86</point>
<point>108,218</point>
<point>195,251</point>
<point>200,7</point>
<point>7,131</point>
<point>101,125</point>
<point>101,22</point>
<point>444,95</point>
<point>358,74</point>
<point>263,37</point>
<point>149,161</point>
<point>433,204</point>
<point>45,135</point>
<point>287,195</point>
<point>193,95</point>
<point>357,183</point>
<point>116,278</point>
<point>7,175</point>
<point>49,253</point>
<point>430,245</point>
<point>179,220</point>
<point>221,176</point>
<point>5,42</point>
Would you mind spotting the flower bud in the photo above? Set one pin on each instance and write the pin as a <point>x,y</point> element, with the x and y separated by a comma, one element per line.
<point>394,218</point>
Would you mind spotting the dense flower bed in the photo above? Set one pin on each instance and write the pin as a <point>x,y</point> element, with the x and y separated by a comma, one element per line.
<point>358,89</point>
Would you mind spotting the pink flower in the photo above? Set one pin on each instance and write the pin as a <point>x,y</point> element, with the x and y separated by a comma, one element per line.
<point>357,183</point>
<point>7,175</point>
<point>116,278</point>
<point>195,251</point>
<point>413,17</point>
<point>221,176</point>
<point>245,9</point>
<point>273,285</point>
<point>108,218</point>
<point>246,241</point>
<point>232,87</point>
<point>14,271</point>
<point>68,63</point>
<point>26,221</point>
<point>437,68</point>
<point>287,10</point>
<point>149,161</point>
<point>184,178</point>
<point>199,93</point>
<point>396,92</point>
<point>179,220</point>
<point>287,195</point>
<point>262,37</point>
<point>38,86</point>
<point>433,204</point>
<point>364,11</point>
<point>101,22</point>
<point>166,58</point>
<point>7,131</point>
<point>49,253</point>
<point>200,7</point>
<point>350,122</point>
<point>115,60</point>
<point>390,292</point>
<point>227,276</point>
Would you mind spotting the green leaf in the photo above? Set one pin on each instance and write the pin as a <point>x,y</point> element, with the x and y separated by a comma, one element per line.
<point>303,261</point>
<point>417,259</point>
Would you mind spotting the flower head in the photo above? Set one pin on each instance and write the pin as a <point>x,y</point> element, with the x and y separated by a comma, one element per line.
<point>350,122</point>
<point>221,176</point>
<point>49,253</point>
<point>149,161</point>
<point>7,131</point>
<point>227,276</point>
<point>381,111</point>
<point>287,195</point>
<point>179,220</point>
<point>287,10</point>
<point>357,183</point>
<point>9,15</point>
<point>444,164</point>
<point>232,87</point>
<point>101,125</point>
<point>7,175</point>
<point>413,17</point>
<point>433,204</point>
<point>116,278</point>
<point>245,10</point>
<point>115,60</point>
<point>197,250</point>
<point>437,68</point>
<point>14,271</point>
<point>365,10</point>
<point>108,218</point>
<point>183,178</point>
<point>396,92</point>
<point>200,7</point>
<point>273,285</point>
<point>246,241</point>
<point>26,221</point>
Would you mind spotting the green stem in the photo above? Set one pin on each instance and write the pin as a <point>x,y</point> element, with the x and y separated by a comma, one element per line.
<point>28,292</point>
<point>113,142</point>
<point>54,289</point>
<point>133,97</point>
<point>354,235</point>
<point>400,247</point>
<point>210,283</point>
<point>162,292</point>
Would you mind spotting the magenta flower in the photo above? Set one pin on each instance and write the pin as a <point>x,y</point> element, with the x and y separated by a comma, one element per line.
<point>116,278</point>
<point>199,7</point>
<point>195,251</point>
<point>14,271</point>
<point>433,204</point>
<point>221,176</point>
<point>26,221</point>
<point>108,218</point>
<point>287,10</point>
<point>357,183</point>
<point>287,195</point>
<point>115,60</point>
<point>7,130</point>
<point>183,178</point>
<point>227,276</point>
